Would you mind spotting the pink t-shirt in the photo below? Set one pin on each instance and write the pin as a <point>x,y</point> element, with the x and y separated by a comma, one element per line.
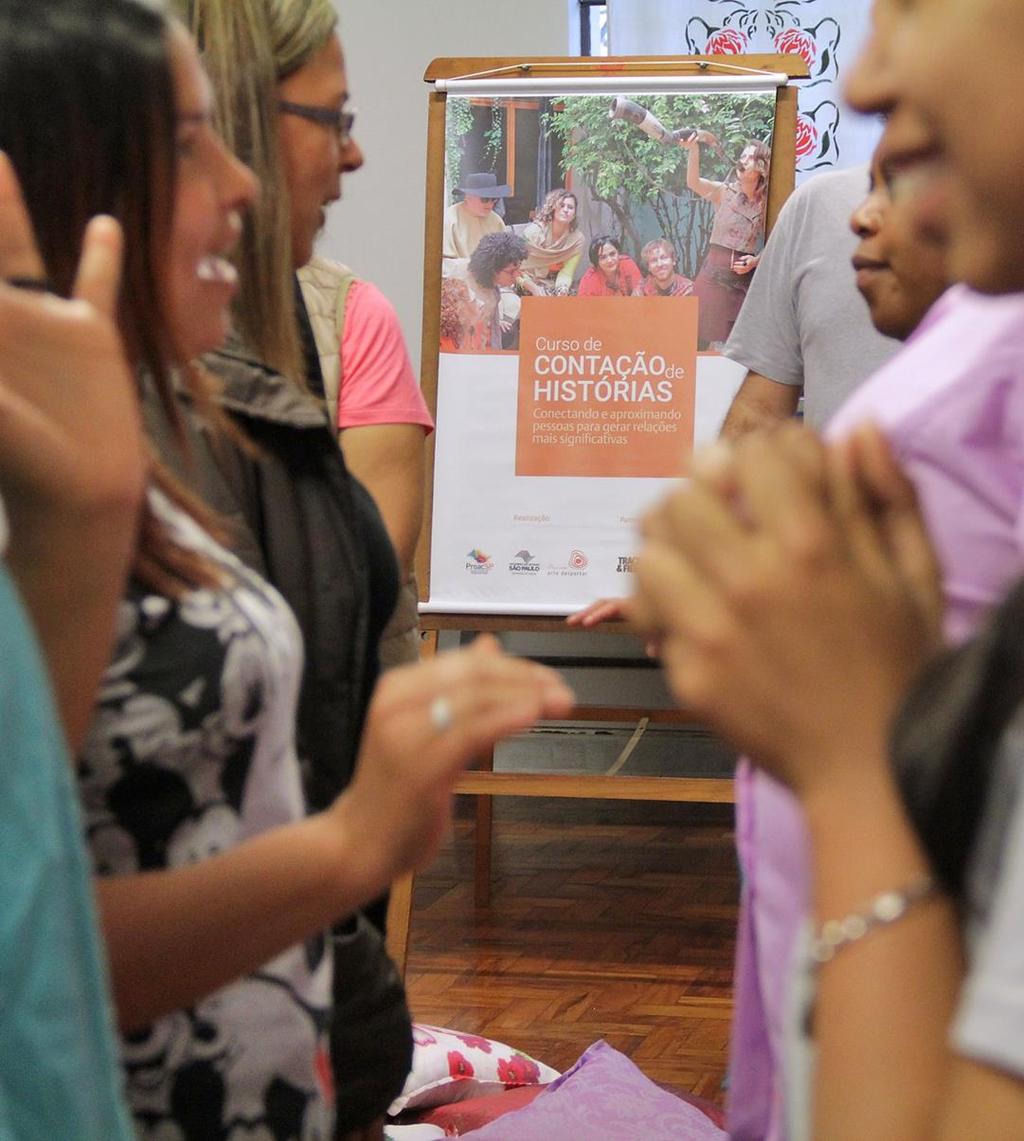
<point>378,385</point>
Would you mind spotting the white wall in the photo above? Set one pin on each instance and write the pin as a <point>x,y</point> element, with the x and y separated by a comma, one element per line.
<point>377,228</point>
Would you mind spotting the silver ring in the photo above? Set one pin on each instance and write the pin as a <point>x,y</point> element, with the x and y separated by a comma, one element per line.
<point>441,715</point>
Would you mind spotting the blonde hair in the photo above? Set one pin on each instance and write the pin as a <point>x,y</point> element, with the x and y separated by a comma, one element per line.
<point>248,47</point>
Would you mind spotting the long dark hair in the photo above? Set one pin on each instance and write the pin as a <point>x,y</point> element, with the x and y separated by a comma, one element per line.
<point>947,738</point>
<point>87,117</point>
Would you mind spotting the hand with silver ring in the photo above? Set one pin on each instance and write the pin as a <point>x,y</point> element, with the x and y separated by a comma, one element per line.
<point>398,806</point>
<point>441,715</point>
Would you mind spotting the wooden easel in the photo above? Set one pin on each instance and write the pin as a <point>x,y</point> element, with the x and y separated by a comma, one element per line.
<point>484,783</point>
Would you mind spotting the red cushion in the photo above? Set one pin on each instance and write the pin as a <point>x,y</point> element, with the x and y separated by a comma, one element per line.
<point>463,1116</point>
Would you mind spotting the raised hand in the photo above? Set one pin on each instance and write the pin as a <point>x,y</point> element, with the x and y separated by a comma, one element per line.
<point>72,454</point>
<point>70,432</point>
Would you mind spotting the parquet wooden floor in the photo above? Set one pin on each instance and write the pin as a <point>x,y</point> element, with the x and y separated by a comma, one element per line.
<point>608,920</point>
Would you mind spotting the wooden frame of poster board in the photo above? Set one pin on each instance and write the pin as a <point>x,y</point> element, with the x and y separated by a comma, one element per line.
<point>484,783</point>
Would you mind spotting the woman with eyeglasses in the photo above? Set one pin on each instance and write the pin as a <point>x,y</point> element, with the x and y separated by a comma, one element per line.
<point>280,66</point>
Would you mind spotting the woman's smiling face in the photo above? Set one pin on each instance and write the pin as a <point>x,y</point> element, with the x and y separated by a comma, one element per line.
<point>748,171</point>
<point>212,191</point>
<point>661,265</point>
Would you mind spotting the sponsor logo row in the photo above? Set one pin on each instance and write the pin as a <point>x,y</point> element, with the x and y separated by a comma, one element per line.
<point>525,562</point>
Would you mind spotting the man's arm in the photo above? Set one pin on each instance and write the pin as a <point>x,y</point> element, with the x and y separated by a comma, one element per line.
<point>760,403</point>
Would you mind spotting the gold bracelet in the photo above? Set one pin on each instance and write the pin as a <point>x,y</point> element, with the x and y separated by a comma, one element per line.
<point>888,907</point>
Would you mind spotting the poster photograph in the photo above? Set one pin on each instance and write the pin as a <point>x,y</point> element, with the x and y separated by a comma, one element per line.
<point>596,249</point>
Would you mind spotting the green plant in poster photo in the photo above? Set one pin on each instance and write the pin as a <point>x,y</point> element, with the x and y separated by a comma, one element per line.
<point>630,173</point>
<point>459,119</point>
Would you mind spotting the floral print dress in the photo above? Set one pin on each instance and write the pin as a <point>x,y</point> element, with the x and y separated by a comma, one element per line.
<point>192,752</point>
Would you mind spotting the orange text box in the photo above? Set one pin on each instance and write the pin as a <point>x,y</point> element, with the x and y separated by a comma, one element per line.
<point>606,386</point>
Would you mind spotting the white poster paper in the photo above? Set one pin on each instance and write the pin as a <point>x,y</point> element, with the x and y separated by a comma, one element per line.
<point>597,249</point>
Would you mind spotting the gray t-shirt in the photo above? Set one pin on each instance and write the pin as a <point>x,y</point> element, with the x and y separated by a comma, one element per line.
<point>803,321</point>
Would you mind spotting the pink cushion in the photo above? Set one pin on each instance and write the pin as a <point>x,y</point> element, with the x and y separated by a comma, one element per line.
<point>603,1097</point>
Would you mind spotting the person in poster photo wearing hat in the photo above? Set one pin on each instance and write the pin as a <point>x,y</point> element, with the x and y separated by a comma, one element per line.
<point>466,222</point>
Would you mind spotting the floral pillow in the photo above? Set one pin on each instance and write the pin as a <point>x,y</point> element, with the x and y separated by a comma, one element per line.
<point>448,1066</point>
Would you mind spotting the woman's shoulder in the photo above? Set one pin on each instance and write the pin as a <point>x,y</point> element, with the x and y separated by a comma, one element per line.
<point>252,390</point>
<point>322,282</point>
<point>236,579</point>
<point>324,273</point>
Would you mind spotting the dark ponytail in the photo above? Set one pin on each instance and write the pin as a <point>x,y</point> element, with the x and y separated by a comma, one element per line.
<point>946,739</point>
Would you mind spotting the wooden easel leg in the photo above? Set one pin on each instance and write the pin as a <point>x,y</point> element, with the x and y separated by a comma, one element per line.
<point>399,921</point>
<point>483,838</point>
<point>428,644</point>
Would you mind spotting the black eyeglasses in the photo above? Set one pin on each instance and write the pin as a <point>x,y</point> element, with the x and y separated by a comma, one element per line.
<point>339,121</point>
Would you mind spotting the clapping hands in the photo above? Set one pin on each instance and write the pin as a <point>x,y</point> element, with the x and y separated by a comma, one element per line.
<point>794,594</point>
